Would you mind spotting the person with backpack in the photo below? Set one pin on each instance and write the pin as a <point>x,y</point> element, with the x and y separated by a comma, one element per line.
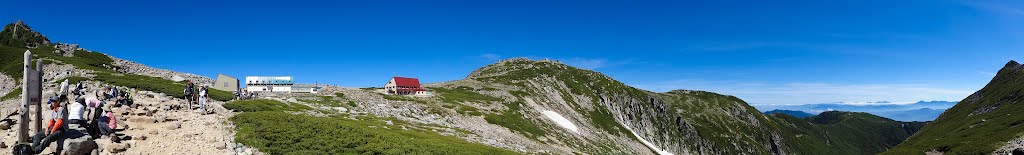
<point>189,89</point>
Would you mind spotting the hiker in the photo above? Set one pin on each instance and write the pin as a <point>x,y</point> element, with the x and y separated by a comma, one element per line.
<point>106,123</point>
<point>106,93</point>
<point>54,129</point>
<point>76,112</point>
<point>114,93</point>
<point>202,98</point>
<point>188,94</point>
<point>79,89</point>
<point>63,93</point>
<point>126,99</point>
<point>93,106</point>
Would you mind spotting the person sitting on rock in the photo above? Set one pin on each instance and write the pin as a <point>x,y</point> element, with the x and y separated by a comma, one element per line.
<point>126,99</point>
<point>54,129</point>
<point>76,112</point>
<point>107,124</point>
<point>79,89</point>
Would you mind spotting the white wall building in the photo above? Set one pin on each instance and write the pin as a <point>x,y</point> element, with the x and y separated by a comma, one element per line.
<point>282,84</point>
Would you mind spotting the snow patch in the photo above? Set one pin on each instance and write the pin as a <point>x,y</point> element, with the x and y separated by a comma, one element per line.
<point>561,121</point>
<point>649,144</point>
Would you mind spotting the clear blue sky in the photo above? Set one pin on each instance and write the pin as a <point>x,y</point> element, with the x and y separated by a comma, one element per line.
<point>776,52</point>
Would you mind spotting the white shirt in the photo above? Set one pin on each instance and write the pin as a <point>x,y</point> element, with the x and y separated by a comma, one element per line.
<point>64,88</point>
<point>76,111</point>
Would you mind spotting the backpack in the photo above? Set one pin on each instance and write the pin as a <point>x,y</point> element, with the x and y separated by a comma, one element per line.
<point>23,149</point>
<point>188,90</point>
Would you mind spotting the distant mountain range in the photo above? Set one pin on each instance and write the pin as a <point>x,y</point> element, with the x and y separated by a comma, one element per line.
<point>919,111</point>
<point>797,114</point>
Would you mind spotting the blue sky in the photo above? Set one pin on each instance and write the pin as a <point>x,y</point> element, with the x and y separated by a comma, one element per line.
<point>776,52</point>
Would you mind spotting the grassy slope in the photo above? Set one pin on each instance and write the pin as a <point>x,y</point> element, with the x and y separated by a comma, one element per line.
<point>266,125</point>
<point>957,131</point>
<point>705,112</point>
<point>100,63</point>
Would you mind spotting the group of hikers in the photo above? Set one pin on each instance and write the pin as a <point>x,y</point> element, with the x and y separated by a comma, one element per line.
<point>89,112</point>
<point>93,113</point>
<point>200,95</point>
<point>245,95</point>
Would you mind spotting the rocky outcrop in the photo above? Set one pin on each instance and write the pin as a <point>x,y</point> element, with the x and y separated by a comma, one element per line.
<point>130,67</point>
<point>66,50</point>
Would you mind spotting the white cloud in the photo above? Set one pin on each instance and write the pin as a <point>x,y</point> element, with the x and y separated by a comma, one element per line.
<point>814,93</point>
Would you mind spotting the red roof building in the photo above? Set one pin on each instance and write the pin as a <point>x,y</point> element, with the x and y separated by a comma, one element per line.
<point>404,86</point>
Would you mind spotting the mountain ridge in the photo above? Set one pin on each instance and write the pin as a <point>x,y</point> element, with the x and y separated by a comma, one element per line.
<point>986,122</point>
<point>514,103</point>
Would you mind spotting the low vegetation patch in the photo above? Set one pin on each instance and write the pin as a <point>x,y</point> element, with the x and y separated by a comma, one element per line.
<point>604,120</point>
<point>13,94</point>
<point>264,105</point>
<point>468,110</point>
<point>514,120</point>
<point>462,94</point>
<point>265,126</point>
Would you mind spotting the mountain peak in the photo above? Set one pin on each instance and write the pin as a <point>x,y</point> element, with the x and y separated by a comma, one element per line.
<point>1012,65</point>
<point>18,34</point>
<point>514,64</point>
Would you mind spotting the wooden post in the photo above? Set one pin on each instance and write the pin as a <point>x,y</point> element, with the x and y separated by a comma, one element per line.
<point>39,93</point>
<point>23,111</point>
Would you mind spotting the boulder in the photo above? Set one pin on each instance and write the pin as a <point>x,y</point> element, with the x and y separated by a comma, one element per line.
<point>160,118</point>
<point>4,125</point>
<point>177,78</point>
<point>174,125</point>
<point>221,146</point>
<point>141,119</point>
<point>117,147</point>
<point>140,137</point>
<point>79,146</point>
<point>2,145</point>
